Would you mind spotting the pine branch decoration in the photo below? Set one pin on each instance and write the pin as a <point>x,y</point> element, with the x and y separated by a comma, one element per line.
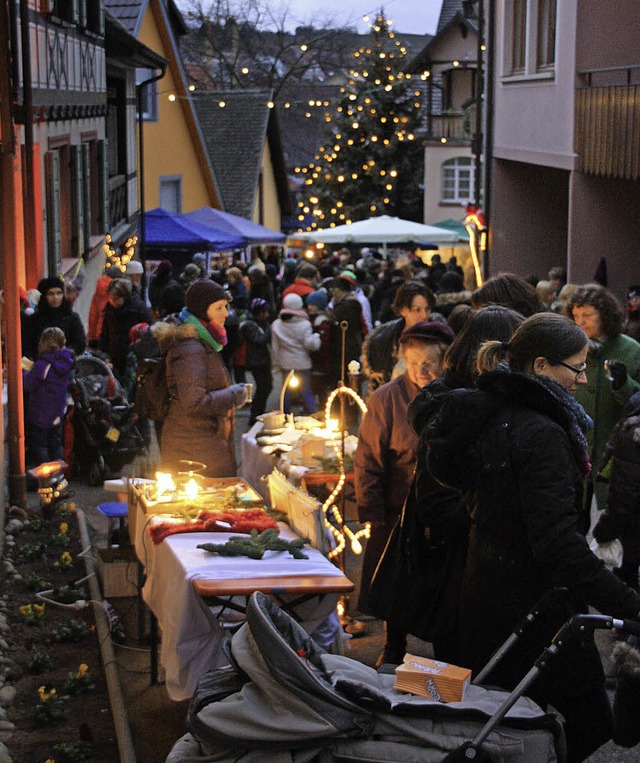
<point>256,544</point>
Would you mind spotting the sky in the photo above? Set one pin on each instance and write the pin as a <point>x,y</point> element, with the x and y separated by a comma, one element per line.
<point>414,16</point>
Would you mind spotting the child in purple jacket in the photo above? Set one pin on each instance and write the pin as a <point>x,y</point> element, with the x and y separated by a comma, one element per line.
<point>46,382</point>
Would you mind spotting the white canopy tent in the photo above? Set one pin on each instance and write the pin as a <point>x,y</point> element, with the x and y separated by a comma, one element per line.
<point>382,230</point>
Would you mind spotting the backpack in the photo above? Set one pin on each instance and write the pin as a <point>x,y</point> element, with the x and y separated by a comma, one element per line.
<point>152,397</point>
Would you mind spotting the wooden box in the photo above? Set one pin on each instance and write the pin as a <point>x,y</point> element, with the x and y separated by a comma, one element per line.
<point>118,570</point>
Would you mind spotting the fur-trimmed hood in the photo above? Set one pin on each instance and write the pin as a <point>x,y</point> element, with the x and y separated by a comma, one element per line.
<point>170,332</point>
<point>626,658</point>
<point>453,298</point>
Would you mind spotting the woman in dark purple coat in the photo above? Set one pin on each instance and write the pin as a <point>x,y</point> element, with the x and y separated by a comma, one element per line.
<point>200,423</point>
<point>386,454</point>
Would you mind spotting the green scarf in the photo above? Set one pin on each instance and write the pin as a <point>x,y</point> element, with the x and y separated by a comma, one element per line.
<point>203,334</point>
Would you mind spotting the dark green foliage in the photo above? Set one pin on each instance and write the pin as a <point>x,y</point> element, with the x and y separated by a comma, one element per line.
<point>373,163</point>
<point>74,630</point>
<point>70,752</point>
<point>256,544</point>
<point>39,663</point>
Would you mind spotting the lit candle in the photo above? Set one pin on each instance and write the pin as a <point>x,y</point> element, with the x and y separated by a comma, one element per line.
<point>191,489</point>
<point>164,484</point>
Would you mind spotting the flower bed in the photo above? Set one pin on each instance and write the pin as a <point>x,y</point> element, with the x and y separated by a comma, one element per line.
<point>49,651</point>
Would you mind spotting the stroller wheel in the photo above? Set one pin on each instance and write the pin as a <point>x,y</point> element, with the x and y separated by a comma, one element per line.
<point>95,475</point>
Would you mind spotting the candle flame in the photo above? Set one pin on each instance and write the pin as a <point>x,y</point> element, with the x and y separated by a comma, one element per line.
<point>191,489</point>
<point>164,483</point>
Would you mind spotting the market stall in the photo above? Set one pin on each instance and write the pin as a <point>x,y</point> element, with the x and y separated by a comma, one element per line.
<point>182,578</point>
<point>301,450</point>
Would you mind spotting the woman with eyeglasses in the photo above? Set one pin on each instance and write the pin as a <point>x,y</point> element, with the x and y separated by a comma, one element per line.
<point>613,374</point>
<point>516,448</point>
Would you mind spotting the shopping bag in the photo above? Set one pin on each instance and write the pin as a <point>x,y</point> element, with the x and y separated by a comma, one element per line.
<point>610,552</point>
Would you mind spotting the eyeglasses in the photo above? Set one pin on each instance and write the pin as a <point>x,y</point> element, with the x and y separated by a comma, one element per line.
<point>577,371</point>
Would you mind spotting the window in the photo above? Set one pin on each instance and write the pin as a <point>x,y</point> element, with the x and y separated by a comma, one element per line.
<point>530,38</point>
<point>519,36</point>
<point>171,193</point>
<point>148,95</point>
<point>457,180</point>
<point>546,53</point>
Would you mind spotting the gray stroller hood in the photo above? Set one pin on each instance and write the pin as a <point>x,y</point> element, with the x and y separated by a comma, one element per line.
<point>286,693</point>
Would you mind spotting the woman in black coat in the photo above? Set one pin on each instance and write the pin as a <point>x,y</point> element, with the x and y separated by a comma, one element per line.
<point>437,514</point>
<point>53,310</point>
<point>516,448</point>
<point>123,311</point>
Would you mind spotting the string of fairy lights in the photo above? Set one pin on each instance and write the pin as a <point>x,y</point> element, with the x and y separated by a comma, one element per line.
<point>317,102</point>
<point>387,124</point>
<point>123,257</point>
<point>338,528</point>
<point>376,69</point>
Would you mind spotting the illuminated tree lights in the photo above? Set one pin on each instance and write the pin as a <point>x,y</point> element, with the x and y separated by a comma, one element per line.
<point>372,162</point>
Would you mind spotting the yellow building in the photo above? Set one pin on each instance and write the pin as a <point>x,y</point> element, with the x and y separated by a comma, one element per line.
<point>175,167</point>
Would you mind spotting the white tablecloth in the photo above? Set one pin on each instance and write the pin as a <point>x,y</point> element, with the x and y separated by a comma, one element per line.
<point>191,635</point>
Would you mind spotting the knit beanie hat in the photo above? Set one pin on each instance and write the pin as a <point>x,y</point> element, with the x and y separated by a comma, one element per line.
<point>201,294</point>
<point>349,276</point>
<point>318,298</point>
<point>428,332</point>
<point>292,305</point>
<point>134,268</point>
<point>258,304</point>
<point>138,331</point>
<point>50,283</point>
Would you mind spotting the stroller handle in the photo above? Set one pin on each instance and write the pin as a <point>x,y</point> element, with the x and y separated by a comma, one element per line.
<point>578,627</point>
<point>581,626</point>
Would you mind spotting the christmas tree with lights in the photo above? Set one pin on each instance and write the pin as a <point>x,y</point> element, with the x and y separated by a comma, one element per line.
<point>372,164</point>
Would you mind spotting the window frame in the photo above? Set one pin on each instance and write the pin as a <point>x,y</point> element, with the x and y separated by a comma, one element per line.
<point>519,26</point>
<point>546,34</point>
<point>458,165</point>
<point>174,181</point>
<point>529,40</point>
<point>149,95</point>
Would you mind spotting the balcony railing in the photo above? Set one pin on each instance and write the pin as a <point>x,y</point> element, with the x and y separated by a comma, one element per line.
<point>453,127</point>
<point>117,200</point>
<point>607,123</point>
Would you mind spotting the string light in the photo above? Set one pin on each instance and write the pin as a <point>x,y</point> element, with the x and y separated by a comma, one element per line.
<point>329,505</point>
<point>127,251</point>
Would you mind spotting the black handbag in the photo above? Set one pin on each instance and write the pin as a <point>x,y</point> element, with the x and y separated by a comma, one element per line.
<point>416,585</point>
<point>392,591</point>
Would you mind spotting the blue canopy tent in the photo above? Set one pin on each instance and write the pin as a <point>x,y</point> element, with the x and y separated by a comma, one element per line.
<point>169,236</point>
<point>253,233</point>
<point>168,232</point>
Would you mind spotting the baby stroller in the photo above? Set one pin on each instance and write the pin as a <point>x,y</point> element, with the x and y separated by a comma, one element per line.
<point>106,432</point>
<point>282,698</point>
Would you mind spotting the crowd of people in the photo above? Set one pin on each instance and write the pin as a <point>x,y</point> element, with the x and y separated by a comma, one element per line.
<point>489,426</point>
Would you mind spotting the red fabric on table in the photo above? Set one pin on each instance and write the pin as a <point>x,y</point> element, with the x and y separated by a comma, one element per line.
<point>239,521</point>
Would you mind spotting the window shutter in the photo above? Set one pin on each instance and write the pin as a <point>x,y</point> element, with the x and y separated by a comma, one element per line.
<point>104,221</point>
<point>77,200</point>
<point>87,178</point>
<point>74,11</point>
<point>82,13</point>
<point>95,16</point>
<point>52,180</point>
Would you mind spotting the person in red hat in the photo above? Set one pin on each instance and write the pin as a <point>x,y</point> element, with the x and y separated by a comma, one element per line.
<point>386,454</point>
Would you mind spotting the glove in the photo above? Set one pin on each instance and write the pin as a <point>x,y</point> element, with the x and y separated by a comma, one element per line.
<point>240,394</point>
<point>618,374</point>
